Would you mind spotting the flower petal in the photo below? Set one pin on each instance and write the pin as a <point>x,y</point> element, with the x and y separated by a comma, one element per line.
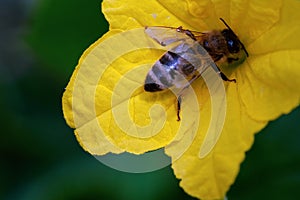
<point>87,135</point>
<point>211,176</point>
<point>250,19</point>
<point>133,14</point>
<point>284,35</point>
<point>269,84</point>
<point>194,15</point>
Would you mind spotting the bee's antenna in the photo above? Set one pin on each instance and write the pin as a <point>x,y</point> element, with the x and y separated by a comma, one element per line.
<point>243,47</point>
<point>226,24</point>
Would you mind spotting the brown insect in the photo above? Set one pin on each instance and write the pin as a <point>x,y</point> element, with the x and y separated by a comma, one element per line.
<point>174,68</point>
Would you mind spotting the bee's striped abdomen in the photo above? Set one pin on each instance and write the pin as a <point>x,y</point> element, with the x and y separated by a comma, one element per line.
<point>162,73</point>
<point>165,71</point>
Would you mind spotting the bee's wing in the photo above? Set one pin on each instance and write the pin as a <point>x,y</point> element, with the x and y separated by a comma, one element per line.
<point>195,54</point>
<point>165,35</point>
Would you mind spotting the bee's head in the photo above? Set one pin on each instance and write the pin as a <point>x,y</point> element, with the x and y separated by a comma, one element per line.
<point>233,43</point>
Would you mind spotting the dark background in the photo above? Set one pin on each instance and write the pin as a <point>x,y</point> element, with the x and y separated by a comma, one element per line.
<point>40,44</point>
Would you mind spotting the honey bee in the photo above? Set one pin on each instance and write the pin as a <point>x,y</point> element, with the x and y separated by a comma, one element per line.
<point>174,68</point>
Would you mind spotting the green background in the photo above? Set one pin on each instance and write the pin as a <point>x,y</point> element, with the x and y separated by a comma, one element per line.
<point>41,42</point>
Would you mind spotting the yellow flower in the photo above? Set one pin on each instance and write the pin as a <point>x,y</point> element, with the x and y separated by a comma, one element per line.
<point>268,85</point>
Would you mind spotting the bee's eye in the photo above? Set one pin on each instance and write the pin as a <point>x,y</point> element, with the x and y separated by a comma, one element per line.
<point>233,44</point>
<point>206,45</point>
<point>230,43</point>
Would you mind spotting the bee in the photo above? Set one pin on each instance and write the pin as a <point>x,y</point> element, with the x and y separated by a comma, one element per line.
<point>174,68</point>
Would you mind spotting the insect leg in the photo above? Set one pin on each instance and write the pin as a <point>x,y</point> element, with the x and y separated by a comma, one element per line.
<point>181,93</point>
<point>178,107</point>
<point>225,78</point>
<point>187,32</point>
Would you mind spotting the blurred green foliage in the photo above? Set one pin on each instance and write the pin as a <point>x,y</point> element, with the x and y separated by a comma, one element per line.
<point>40,157</point>
<point>62,30</point>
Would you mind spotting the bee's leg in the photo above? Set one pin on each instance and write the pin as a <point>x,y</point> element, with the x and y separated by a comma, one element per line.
<point>190,34</point>
<point>178,107</point>
<point>225,78</point>
<point>187,32</point>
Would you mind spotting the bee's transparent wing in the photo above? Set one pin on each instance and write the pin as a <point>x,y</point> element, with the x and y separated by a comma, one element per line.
<point>165,35</point>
